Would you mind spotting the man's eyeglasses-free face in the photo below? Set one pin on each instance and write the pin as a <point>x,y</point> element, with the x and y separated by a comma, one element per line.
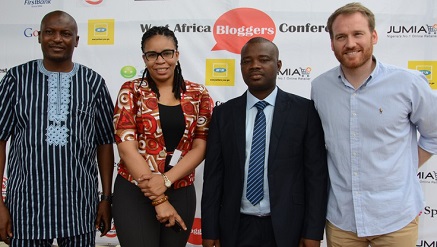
<point>153,56</point>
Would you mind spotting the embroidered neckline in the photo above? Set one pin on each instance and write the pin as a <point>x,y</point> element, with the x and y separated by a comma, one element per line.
<point>58,104</point>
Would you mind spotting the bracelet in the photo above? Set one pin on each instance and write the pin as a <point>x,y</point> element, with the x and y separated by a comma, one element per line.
<point>134,182</point>
<point>107,198</point>
<point>159,201</point>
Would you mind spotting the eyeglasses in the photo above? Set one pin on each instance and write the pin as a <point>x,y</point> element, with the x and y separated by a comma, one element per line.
<point>153,55</point>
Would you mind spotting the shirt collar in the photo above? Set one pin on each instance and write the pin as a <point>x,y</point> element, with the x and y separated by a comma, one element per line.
<point>374,73</point>
<point>251,100</point>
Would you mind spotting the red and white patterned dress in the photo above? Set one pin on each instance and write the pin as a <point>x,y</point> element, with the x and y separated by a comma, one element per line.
<point>136,118</point>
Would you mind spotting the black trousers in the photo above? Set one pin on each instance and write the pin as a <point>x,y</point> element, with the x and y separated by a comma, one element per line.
<point>135,218</point>
<point>255,232</point>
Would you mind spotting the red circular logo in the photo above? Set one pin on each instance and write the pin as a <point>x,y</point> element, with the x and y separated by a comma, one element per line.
<point>94,2</point>
<point>112,233</point>
<point>234,28</point>
<point>196,233</point>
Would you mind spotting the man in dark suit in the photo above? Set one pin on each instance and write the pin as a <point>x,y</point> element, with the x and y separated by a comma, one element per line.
<point>292,207</point>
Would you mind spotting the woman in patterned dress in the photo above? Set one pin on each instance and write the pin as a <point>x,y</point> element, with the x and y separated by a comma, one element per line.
<point>161,125</point>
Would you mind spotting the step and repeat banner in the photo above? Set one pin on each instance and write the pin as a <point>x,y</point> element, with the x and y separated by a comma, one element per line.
<point>211,34</point>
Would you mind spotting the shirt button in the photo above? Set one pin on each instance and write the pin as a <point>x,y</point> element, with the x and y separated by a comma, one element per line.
<point>162,153</point>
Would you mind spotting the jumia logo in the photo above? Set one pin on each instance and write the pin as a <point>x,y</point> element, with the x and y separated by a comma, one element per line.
<point>427,175</point>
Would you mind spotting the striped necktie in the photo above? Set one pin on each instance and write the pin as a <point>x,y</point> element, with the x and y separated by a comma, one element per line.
<point>255,175</point>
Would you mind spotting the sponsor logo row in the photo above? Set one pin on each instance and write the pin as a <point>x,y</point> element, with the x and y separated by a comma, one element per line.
<point>231,26</point>
<point>239,25</point>
<point>221,72</point>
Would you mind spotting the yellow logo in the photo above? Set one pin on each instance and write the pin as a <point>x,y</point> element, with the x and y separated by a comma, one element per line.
<point>428,68</point>
<point>220,72</point>
<point>101,32</point>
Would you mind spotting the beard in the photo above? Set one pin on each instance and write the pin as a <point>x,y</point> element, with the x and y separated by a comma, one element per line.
<point>358,60</point>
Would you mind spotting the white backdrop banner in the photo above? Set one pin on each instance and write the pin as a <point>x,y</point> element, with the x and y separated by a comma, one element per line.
<point>211,34</point>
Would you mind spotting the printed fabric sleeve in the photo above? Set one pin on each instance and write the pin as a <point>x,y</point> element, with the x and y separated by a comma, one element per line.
<point>125,114</point>
<point>205,112</point>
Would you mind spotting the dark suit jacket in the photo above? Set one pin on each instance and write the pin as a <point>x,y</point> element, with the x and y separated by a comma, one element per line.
<point>297,171</point>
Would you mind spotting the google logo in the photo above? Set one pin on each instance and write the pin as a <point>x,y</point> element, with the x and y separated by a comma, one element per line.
<point>29,32</point>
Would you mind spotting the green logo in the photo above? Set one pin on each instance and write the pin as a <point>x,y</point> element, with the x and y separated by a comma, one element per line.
<point>128,71</point>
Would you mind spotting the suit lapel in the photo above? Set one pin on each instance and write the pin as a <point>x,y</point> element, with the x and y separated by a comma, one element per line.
<point>239,118</point>
<point>280,113</point>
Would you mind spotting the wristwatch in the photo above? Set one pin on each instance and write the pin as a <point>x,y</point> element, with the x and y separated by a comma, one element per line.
<point>167,181</point>
<point>107,198</point>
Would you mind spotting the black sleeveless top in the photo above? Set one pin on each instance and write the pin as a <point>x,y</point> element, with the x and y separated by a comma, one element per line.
<point>173,127</point>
